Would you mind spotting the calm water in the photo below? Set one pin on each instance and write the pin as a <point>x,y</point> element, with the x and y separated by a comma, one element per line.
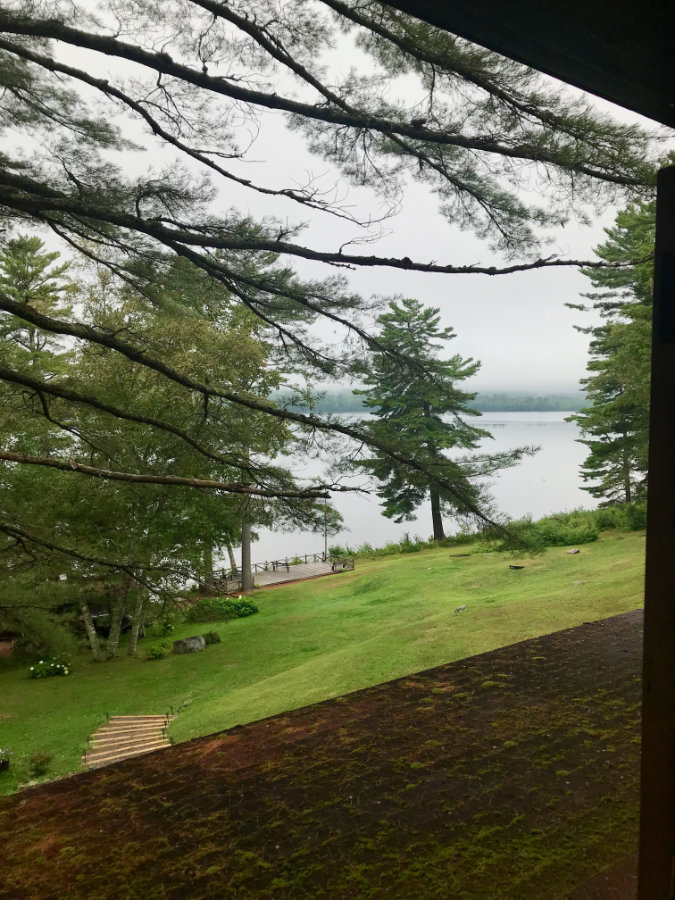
<point>545,483</point>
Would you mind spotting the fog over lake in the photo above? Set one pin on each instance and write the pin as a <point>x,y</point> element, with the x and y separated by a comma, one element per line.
<point>545,483</point>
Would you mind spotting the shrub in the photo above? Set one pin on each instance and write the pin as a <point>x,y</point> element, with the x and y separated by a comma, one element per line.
<point>240,606</point>
<point>166,628</point>
<point>207,609</point>
<point>157,651</point>
<point>39,763</point>
<point>636,515</point>
<point>212,637</point>
<point>46,668</point>
<point>218,609</point>
<point>5,756</point>
<point>411,546</point>
<point>561,531</point>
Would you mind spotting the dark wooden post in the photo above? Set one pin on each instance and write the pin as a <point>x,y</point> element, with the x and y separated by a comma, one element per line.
<point>657,817</point>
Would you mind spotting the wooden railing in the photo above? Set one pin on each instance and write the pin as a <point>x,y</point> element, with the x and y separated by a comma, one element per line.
<point>229,581</point>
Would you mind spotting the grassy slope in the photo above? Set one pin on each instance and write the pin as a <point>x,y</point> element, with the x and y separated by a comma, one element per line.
<point>323,638</point>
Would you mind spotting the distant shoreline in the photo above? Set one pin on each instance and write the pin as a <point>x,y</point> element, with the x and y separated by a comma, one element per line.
<point>344,401</point>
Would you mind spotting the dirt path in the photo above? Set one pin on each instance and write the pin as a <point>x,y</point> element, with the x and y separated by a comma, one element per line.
<point>507,775</point>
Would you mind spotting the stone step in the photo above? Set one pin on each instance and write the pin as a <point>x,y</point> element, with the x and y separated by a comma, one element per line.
<point>93,760</point>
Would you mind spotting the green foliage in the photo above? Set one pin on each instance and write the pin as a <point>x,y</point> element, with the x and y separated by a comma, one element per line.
<point>218,609</point>
<point>624,516</point>
<point>615,423</point>
<point>48,668</point>
<point>414,395</point>
<point>212,637</point>
<point>39,763</point>
<point>241,606</point>
<point>156,651</point>
<point>582,526</point>
<point>166,628</point>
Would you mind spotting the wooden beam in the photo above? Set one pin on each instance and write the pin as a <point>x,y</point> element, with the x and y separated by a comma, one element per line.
<point>611,48</point>
<point>657,817</point>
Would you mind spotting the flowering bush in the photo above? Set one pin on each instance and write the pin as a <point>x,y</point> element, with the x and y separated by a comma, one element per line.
<point>45,668</point>
<point>5,755</point>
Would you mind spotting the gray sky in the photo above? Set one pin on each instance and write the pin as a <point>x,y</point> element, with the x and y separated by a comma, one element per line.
<point>517,325</point>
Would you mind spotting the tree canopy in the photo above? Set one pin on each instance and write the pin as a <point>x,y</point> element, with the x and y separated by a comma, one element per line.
<point>124,127</point>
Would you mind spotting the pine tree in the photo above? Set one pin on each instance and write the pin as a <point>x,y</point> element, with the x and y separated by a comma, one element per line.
<point>413,393</point>
<point>615,426</point>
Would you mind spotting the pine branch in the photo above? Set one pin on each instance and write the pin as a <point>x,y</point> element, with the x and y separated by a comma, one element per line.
<point>320,492</point>
<point>352,118</point>
<point>26,195</point>
<point>306,198</point>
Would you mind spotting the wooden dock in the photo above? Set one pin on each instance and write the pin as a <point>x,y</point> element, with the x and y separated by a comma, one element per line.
<point>298,572</point>
<point>282,571</point>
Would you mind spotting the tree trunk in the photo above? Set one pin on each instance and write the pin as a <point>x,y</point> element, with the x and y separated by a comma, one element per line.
<point>113,643</point>
<point>208,561</point>
<point>92,637</point>
<point>436,517</point>
<point>246,574</point>
<point>136,624</point>
<point>626,475</point>
<point>233,561</point>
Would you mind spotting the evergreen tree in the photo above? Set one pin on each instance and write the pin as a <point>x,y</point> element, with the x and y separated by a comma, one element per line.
<point>615,426</point>
<point>418,406</point>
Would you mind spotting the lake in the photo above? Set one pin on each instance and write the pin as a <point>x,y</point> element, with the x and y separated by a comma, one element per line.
<point>545,483</point>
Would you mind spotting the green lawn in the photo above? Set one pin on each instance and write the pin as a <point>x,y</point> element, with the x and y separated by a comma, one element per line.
<point>323,638</point>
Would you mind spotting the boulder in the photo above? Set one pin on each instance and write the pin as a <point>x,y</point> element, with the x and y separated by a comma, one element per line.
<point>189,645</point>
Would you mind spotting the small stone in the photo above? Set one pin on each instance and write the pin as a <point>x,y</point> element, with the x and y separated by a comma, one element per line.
<point>575,550</point>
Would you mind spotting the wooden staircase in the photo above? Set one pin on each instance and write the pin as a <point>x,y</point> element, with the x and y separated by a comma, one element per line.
<point>125,736</point>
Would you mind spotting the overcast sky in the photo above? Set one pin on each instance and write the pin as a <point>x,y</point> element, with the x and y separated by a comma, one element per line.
<point>516,325</point>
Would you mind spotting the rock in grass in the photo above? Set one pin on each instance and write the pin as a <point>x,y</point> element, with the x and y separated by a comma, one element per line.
<point>189,645</point>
